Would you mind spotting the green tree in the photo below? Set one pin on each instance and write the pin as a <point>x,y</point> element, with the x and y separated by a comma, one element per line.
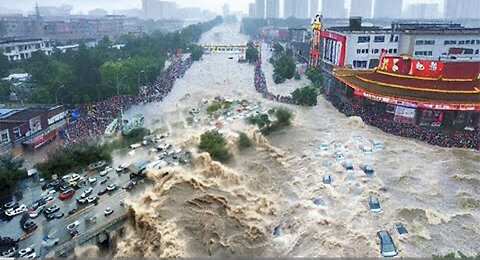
<point>284,68</point>
<point>214,143</point>
<point>4,65</point>
<point>244,142</point>
<point>196,52</point>
<point>316,77</point>
<point>306,96</point>
<point>278,49</point>
<point>10,173</point>
<point>5,88</point>
<point>251,53</point>
<point>284,116</point>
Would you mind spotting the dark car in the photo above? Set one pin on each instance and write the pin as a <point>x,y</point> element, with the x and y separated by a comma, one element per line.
<point>8,241</point>
<point>38,203</point>
<point>72,211</point>
<point>368,170</point>
<point>104,180</point>
<point>387,247</point>
<point>29,226</point>
<point>52,209</point>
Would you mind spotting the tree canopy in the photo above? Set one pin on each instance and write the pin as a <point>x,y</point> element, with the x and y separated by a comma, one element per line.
<point>90,74</point>
<point>251,53</point>
<point>10,173</point>
<point>284,68</point>
<point>214,143</point>
<point>306,96</point>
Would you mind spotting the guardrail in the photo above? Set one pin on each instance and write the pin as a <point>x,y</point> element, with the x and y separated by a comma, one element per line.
<point>110,225</point>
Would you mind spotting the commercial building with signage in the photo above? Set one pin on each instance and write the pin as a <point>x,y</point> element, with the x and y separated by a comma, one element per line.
<point>30,127</point>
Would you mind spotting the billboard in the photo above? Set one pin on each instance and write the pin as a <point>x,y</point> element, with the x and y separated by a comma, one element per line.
<point>412,67</point>
<point>334,47</point>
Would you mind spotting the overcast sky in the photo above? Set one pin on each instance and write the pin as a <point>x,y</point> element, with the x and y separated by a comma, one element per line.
<point>83,6</point>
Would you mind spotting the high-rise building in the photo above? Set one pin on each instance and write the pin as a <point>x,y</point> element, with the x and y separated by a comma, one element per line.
<point>361,8</point>
<point>468,9</point>
<point>334,9</point>
<point>273,8</point>
<point>226,10</point>
<point>314,8</point>
<point>388,9</point>
<point>155,10</point>
<point>422,11</point>
<point>302,9</point>
<point>260,9</point>
<point>289,8</point>
<point>251,10</point>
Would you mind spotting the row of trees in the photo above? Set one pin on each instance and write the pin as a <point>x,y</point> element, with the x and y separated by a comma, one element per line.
<point>283,63</point>
<point>92,74</point>
<point>10,173</point>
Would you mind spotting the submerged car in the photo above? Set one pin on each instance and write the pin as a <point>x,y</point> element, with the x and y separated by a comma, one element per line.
<point>28,252</point>
<point>339,156</point>
<point>374,204</point>
<point>108,211</point>
<point>387,247</point>
<point>16,211</point>
<point>327,179</point>
<point>368,170</point>
<point>52,209</point>
<point>29,226</point>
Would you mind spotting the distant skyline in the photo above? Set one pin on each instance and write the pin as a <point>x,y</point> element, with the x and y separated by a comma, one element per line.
<point>83,6</point>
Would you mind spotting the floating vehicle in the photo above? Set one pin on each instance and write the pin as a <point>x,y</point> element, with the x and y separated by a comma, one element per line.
<point>136,123</point>
<point>112,128</point>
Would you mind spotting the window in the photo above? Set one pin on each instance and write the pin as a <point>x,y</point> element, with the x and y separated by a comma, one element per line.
<point>363,39</point>
<point>359,64</point>
<point>468,51</point>
<point>423,53</point>
<point>5,138</point>
<point>17,133</point>
<point>376,51</point>
<point>395,50</point>
<point>467,42</point>
<point>419,42</point>
<point>390,50</point>
<point>429,42</point>
<point>477,52</point>
<point>379,39</point>
<point>396,38</point>
<point>472,42</point>
<point>461,42</point>
<point>450,42</point>
<point>478,41</point>
<point>359,51</point>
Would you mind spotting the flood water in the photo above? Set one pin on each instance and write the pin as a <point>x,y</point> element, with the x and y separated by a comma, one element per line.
<point>210,209</point>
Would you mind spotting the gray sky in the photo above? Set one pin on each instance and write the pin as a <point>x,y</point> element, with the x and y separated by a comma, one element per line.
<point>110,5</point>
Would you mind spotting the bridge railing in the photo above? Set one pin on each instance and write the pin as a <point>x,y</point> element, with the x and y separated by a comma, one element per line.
<point>69,246</point>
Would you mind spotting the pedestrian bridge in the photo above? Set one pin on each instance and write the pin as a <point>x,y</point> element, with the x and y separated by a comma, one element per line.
<point>222,48</point>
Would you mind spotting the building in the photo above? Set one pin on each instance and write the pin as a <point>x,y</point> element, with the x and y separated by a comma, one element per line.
<point>260,9</point>
<point>251,10</point>
<point>422,11</point>
<point>273,9</point>
<point>334,9</point>
<point>226,10</point>
<point>30,127</point>
<point>437,41</point>
<point>314,8</point>
<point>296,8</point>
<point>388,9</point>
<point>362,8</point>
<point>365,44</point>
<point>302,9</point>
<point>455,9</point>
<point>157,10</point>
<point>22,49</point>
<point>360,46</point>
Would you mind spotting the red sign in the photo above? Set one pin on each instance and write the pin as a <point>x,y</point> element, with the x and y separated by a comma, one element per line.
<point>416,104</point>
<point>412,67</point>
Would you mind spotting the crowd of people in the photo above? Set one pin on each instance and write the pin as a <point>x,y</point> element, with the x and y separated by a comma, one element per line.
<point>261,86</point>
<point>94,119</point>
<point>372,116</point>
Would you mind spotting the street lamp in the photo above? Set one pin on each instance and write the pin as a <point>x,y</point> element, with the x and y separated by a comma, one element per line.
<point>56,94</point>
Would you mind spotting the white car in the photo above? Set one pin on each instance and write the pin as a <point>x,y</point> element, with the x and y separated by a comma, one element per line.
<point>339,156</point>
<point>92,180</point>
<point>75,177</point>
<point>91,199</point>
<point>103,173</point>
<point>36,212</point>
<point>16,211</point>
<point>28,252</point>
<point>377,144</point>
<point>108,211</point>
<point>121,167</point>
<point>108,168</point>
<point>367,150</point>
<point>73,226</point>
<point>86,192</point>
<point>49,242</point>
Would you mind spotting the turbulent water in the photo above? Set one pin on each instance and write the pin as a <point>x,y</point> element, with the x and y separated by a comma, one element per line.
<point>210,209</point>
